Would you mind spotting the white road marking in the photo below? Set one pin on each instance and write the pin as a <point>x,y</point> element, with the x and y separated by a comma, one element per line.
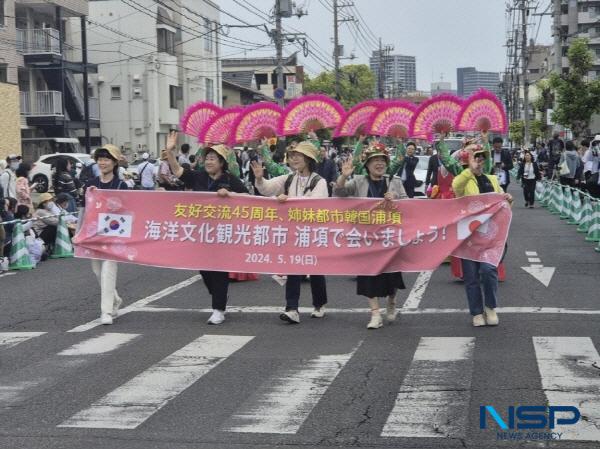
<point>570,368</point>
<point>135,401</point>
<point>531,253</point>
<point>534,260</point>
<point>277,310</point>
<point>8,273</point>
<point>283,402</point>
<point>10,339</point>
<point>141,303</point>
<point>434,397</point>
<point>100,344</point>
<point>541,273</point>
<point>417,291</point>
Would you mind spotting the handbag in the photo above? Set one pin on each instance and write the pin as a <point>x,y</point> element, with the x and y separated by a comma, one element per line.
<point>563,169</point>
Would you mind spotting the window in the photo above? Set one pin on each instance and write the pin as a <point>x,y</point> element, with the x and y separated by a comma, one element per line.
<point>261,78</point>
<point>208,39</point>
<point>210,90</point>
<point>598,52</point>
<point>91,91</point>
<point>115,92</point>
<point>3,73</point>
<point>165,41</point>
<point>175,95</point>
<point>1,13</point>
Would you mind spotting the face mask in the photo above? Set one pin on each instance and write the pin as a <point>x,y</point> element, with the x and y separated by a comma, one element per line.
<point>14,166</point>
<point>49,205</point>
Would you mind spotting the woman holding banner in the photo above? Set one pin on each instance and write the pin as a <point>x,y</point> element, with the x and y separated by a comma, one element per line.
<point>375,184</point>
<point>304,182</point>
<point>214,178</point>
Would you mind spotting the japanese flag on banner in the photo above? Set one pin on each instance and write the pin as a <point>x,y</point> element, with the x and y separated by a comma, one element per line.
<point>114,225</point>
<point>468,226</point>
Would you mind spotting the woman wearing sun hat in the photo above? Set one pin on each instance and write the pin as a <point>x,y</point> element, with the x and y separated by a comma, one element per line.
<point>304,182</point>
<point>215,177</point>
<point>374,184</point>
<point>107,158</point>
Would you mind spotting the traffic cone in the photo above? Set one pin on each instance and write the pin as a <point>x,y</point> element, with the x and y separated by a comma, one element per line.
<point>593,234</point>
<point>62,245</point>
<point>547,194</point>
<point>539,195</point>
<point>575,208</point>
<point>566,204</point>
<point>597,248</point>
<point>19,254</point>
<point>554,201</point>
<point>586,215</point>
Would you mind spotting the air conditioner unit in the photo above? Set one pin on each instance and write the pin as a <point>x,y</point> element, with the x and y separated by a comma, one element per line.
<point>137,92</point>
<point>136,78</point>
<point>138,131</point>
<point>100,79</point>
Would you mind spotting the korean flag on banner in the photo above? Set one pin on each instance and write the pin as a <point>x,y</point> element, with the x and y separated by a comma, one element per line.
<point>113,225</point>
<point>468,226</point>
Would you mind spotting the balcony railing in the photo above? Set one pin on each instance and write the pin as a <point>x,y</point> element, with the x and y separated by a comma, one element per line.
<point>41,103</point>
<point>38,41</point>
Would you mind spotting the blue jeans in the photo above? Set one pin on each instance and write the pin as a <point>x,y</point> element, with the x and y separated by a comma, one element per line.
<point>477,275</point>
<point>292,291</point>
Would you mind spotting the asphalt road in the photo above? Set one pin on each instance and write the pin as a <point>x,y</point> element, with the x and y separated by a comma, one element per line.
<point>160,377</point>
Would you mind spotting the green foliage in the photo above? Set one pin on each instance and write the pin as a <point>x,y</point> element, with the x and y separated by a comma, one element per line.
<point>577,97</point>
<point>357,84</point>
<point>516,131</point>
<point>536,129</point>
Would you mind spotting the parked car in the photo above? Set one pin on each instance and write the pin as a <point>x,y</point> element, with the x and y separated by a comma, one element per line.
<point>421,175</point>
<point>42,170</point>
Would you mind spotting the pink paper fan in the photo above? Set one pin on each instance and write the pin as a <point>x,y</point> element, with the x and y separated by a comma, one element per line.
<point>356,119</point>
<point>196,116</point>
<point>310,113</point>
<point>255,122</point>
<point>482,111</point>
<point>392,118</point>
<point>436,115</point>
<point>218,129</point>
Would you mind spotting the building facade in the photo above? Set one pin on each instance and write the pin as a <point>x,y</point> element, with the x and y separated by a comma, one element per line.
<point>442,87</point>
<point>152,64</point>
<point>399,73</point>
<point>44,55</point>
<point>469,80</point>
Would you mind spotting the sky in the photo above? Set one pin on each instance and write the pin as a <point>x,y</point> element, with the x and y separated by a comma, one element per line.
<point>442,34</point>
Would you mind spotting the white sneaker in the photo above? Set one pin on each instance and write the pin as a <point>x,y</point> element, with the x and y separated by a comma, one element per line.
<point>376,321</point>
<point>291,316</point>
<point>217,317</point>
<point>390,314</point>
<point>478,320</point>
<point>318,313</point>
<point>106,318</point>
<point>491,317</point>
<point>116,305</point>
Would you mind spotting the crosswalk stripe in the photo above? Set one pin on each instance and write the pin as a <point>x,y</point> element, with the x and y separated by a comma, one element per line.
<point>100,344</point>
<point>418,290</point>
<point>569,368</point>
<point>10,339</point>
<point>435,393</point>
<point>285,400</point>
<point>135,401</point>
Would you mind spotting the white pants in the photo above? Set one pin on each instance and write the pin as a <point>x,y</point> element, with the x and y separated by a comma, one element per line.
<point>106,273</point>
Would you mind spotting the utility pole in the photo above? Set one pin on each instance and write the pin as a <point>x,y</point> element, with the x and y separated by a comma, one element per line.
<point>524,62</point>
<point>556,12</point>
<point>336,43</point>
<point>279,50</point>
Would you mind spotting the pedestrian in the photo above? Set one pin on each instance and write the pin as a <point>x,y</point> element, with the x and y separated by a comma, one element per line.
<point>22,185</point>
<point>555,150</point>
<point>45,220</point>
<point>375,184</point>
<point>502,156</point>
<point>166,178</point>
<point>8,178</point>
<point>63,182</point>
<point>406,171</point>
<point>529,174</point>
<point>184,155</point>
<point>569,164</point>
<point>591,171</point>
<point>326,169</point>
<point>473,181</point>
<point>303,183</point>
<point>107,158</point>
<point>215,177</point>
<point>146,173</point>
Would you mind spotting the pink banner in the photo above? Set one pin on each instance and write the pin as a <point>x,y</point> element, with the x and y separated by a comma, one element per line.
<point>242,233</point>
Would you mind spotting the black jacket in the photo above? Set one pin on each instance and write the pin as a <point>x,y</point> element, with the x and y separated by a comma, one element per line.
<point>505,158</point>
<point>536,171</point>
<point>432,170</point>
<point>409,164</point>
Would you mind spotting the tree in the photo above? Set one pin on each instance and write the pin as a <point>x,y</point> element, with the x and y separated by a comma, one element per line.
<point>544,101</point>
<point>357,83</point>
<point>516,131</point>
<point>577,98</point>
<point>536,129</point>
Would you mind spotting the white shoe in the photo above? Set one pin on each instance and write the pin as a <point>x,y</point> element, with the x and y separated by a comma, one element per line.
<point>376,321</point>
<point>318,313</point>
<point>106,318</point>
<point>390,314</point>
<point>291,316</point>
<point>116,305</point>
<point>217,317</point>
<point>491,317</point>
<point>478,320</point>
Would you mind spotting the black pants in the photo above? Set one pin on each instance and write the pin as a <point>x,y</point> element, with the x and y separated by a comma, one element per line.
<point>567,181</point>
<point>292,291</point>
<point>48,235</point>
<point>529,190</point>
<point>409,188</point>
<point>217,283</point>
